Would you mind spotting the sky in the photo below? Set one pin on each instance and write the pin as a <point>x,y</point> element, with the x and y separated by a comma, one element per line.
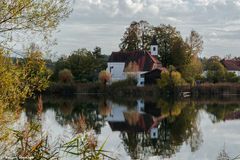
<point>103,22</point>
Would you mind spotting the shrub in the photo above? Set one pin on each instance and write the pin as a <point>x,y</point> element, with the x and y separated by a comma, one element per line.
<point>130,81</point>
<point>170,80</point>
<point>104,77</point>
<point>65,76</point>
<point>231,77</point>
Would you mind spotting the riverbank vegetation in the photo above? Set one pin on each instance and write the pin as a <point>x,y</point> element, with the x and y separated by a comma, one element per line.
<point>178,54</point>
<point>25,74</point>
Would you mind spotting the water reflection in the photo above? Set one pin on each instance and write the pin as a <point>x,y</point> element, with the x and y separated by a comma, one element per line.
<point>147,127</point>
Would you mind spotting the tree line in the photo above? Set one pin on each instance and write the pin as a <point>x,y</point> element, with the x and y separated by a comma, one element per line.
<point>179,55</point>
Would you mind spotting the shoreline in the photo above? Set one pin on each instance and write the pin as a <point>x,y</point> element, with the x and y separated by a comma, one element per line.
<point>200,90</point>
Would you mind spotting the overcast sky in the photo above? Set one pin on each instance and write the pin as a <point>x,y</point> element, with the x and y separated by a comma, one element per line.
<point>103,22</point>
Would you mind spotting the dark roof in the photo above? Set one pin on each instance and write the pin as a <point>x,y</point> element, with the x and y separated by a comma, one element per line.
<point>144,60</point>
<point>144,123</point>
<point>232,65</point>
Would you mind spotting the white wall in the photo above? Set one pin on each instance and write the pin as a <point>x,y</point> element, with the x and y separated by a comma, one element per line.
<point>117,113</point>
<point>117,72</point>
<point>116,69</point>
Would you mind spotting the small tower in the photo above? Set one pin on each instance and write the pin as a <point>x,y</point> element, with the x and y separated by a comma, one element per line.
<point>154,46</point>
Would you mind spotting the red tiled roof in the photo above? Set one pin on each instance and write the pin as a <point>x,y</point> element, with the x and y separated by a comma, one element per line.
<point>231,65</point>
<point>144,60</point>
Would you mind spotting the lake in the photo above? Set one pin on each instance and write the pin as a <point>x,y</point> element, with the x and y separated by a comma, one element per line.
<point>142,128</point>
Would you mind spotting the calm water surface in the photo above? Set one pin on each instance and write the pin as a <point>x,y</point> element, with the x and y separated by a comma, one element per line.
<point>147,129</point>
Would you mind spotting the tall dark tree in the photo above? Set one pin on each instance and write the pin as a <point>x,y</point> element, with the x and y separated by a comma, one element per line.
<point>137,36</point>
<point>172,49</point>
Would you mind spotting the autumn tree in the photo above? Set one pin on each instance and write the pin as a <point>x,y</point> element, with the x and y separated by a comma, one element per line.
<point>65,76</point>
<point>21,18</point>
<point>104,77</point>
<point>170,79</point>
<point>21,80</point>
<point>195,43</point>
<point>193,69</point>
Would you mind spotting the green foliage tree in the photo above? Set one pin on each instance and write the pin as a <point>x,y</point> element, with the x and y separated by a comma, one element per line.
<point>169,41</point>
<point>193,70</point>
<point>232,77</point>
<point>84,64</point>
<point>173,50</point>
<point>137,36</point>
<point>215,70</point>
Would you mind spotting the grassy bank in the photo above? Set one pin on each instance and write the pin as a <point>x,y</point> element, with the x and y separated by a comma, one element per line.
<point>217,89</point>
<point>129,88</point>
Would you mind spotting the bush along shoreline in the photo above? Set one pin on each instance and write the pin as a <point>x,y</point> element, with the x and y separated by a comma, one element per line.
<point>129,88</point>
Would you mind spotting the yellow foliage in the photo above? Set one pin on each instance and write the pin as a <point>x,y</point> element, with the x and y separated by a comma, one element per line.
<point>104,76</point>
<point>167,79</point>
<point>20,81</point>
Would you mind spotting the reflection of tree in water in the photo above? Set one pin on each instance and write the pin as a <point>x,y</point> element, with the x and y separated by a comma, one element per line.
<point>219,112</point>
<point>179,125</point>
<point>80,115</point>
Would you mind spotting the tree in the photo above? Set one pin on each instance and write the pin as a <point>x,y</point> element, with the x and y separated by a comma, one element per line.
<point>28,16</point>
<point>65,76</point>
<point>232,77</point>
<point>21,80</point>
<point>84,64</point>
<point>137,36</point>
<point>21,18</point>
<point>215,70</point>
<point>170,79</point>
<point>167,37</point>
<point>193,70</point>
<point>104,77</point>
<point>195,43</point>
<point>172,49</point>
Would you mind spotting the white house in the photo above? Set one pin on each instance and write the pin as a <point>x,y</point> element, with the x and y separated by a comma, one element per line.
<point>232,66</point>
<point>133,63</point>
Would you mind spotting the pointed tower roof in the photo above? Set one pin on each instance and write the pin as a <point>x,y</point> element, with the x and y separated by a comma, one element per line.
<point>154,40</point>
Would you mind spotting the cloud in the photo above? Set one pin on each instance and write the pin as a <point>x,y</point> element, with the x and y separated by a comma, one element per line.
<point>104,21</point>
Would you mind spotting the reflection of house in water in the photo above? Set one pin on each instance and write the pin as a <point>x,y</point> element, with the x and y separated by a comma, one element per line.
<point>116,114</point>
<point>137,119</point>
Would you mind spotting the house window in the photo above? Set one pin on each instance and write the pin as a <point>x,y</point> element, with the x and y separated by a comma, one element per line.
<point>111,69</point>
<point>141,83</point>
<point>154,48</point>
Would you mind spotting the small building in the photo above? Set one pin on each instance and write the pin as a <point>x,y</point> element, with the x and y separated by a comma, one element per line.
<point>152,76</point>
<point>232,66</point>
<point>137,63</point>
